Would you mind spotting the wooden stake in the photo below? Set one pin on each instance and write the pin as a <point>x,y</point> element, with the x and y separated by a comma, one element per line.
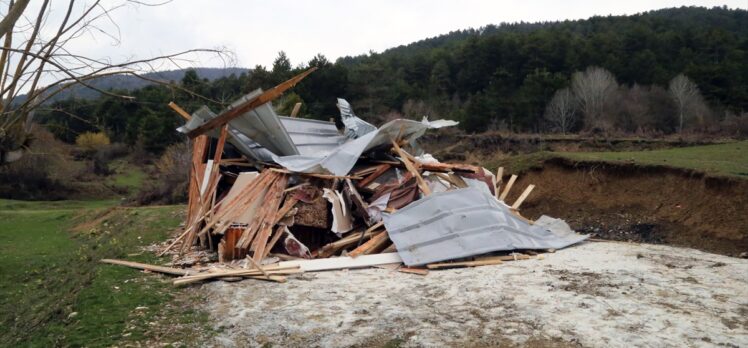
<point>499,176</point>
<point>508,187</point>
<point>523,197</point>
<point>295,110</point>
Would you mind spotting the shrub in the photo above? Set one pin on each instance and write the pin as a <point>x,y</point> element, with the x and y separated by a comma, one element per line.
<point>43,173</point>
<point>91,142</point>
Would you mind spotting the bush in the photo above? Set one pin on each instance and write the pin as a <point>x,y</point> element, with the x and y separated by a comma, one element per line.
<point>43,173</point>
<point>91,142</point>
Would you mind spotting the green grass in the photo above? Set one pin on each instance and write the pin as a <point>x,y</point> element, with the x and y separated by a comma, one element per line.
<point>50,269</point>
<point>722,159</point>
<point>728,159</point>
<point>127,175</point>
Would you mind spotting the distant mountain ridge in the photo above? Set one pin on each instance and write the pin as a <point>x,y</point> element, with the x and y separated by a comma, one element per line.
<point>131,83</point>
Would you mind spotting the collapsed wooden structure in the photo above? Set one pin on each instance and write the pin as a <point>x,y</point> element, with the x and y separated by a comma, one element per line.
<point>279,221</point>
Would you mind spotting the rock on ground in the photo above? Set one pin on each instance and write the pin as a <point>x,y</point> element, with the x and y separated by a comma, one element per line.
<point>600,294</point>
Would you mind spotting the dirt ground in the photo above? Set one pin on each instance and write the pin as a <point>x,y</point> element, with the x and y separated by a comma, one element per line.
<point>627,202</point>
<point>595,294</point>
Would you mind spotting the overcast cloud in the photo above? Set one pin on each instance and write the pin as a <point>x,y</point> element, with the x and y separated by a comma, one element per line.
<point>256,30</point>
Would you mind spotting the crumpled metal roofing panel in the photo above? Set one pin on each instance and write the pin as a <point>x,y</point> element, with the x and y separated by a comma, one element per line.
<point>313,137</point>
<point>340,160</point>
<point>354,126</point>
<point>261,125</point>
<point>462,223</point>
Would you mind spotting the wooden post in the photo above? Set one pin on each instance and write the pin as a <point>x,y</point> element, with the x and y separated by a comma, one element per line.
<point>508,187</point>
<point>523,197</point>
<point>499,176</point>
<point>295,111</point>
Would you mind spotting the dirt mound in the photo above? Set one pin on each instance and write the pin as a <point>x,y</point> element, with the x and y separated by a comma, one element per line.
<point>642,203</point>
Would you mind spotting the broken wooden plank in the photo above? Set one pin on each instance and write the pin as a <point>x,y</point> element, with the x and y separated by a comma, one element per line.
<point>315,175</point>
<point>508,187</point>
<point>370,246</point>
<point>263,98</point>
<point>413,270</point>
<point>180,111</point>
<point>442,265</point>
<point>522,197</point>
<point>152,268</point>
<point>334,263</point>
<point>381,169</point>
<point>412,169</point>
<point>512,257</point>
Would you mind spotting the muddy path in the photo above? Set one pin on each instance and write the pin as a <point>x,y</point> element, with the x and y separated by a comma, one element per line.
<point>642,203</point>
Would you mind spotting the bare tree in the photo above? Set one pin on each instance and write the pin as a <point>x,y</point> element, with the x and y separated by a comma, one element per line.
<point>593,88</point>
<point>687,97</point>
<point>561,110</point>
<point>37,49</point>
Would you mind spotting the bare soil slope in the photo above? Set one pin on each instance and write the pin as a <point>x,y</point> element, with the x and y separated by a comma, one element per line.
<point>642,203</point>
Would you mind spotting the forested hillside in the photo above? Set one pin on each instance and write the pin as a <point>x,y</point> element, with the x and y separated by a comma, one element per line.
<point>615,73</point>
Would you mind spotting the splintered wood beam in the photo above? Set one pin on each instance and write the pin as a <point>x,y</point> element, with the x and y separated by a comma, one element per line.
<point>499,176</point>
<point>180,111</point>
<point>412,169</point>
<point>508,187</point>
<point>295,111</point>
<point>522,197</point>
<point>374,243</point>
<point>263,98</point>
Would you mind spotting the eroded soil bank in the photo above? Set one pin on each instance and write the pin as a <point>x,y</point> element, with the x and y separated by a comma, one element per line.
<point>641,203</point>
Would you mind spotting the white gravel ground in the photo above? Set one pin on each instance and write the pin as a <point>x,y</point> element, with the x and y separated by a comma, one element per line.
<point>591,295</point>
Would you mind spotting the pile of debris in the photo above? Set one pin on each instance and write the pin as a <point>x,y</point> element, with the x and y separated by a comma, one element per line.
<point>284,195</point>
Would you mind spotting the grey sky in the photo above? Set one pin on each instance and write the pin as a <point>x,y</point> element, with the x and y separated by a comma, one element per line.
<point>256,30</point>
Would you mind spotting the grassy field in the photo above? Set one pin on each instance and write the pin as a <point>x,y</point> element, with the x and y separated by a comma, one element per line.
<point>54,292</point>
<point>721,159</point>
<point>729,159</point>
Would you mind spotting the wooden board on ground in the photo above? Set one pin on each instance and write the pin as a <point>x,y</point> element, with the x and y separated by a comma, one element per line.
<point>334,263</point>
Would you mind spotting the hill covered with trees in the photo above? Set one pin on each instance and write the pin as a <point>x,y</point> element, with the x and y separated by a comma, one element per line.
<point>656,72</point>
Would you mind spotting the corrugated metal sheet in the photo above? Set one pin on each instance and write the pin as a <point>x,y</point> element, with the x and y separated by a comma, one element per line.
<point>263,126</point>
<point>462,223</point>
<point>313,137</point>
